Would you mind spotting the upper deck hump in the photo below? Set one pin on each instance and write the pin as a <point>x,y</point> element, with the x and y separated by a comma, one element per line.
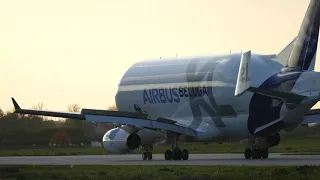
<point>179,70</point>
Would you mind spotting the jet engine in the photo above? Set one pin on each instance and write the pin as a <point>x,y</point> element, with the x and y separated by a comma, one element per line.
<point>268,141</point>
<point>118,140</point>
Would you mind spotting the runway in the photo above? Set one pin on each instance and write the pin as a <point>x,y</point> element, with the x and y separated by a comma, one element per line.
<point>158,159</point>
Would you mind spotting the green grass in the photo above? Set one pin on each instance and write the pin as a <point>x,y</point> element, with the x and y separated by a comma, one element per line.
<point>286,146</point>
<point>159,172</point>
<point>54,152</point>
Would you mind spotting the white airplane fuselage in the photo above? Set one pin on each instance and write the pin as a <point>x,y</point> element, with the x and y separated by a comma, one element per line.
<point>197,92</point>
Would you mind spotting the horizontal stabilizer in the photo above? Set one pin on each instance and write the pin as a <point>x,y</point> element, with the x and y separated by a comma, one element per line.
<point>312,117</point>
<point>286,97</point>
<point>118,117</point>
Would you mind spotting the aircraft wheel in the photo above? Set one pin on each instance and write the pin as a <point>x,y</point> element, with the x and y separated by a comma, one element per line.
<point>168,155</point>
<point>256,154</point>
<point>144,156</point>
<point>264,153</point>
<point>248,153</point>
<point>185,154</point>
<point>176,154</point>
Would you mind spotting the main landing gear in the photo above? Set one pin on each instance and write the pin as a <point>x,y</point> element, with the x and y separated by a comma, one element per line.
<point>255,152</point>
<point>147,154</point>
<point>176,153</point>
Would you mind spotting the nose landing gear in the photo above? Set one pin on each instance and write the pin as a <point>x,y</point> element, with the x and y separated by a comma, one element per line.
<point>147,154</point>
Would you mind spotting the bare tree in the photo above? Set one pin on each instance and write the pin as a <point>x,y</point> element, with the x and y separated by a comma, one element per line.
<point>39,106</point>
<point>113,108</point>
<point>1,113</point>
<point>74,108</point>
<point>73,122</point>
<point>113,125</point>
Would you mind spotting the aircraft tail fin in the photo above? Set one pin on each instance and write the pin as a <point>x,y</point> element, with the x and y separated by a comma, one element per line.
<point>244,84</point>
<point>283,56</point>
<point>305,45</point>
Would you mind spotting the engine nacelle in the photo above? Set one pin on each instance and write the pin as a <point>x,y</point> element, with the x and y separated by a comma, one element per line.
<point>268,141</point>
<point>118,140</point>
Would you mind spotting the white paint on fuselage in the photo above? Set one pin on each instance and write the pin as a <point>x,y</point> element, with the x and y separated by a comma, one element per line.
<point>182,72</point>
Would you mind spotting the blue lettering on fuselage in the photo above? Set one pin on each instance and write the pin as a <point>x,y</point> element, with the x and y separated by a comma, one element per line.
<point>172,95</point>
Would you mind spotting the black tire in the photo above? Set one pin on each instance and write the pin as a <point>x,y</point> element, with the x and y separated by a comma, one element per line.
<point>150,156</point>
<point>264,153</point>
<point>256,153</point>
<point>167,155</point>
<point>248,154</point>
<point>185,154</point>
<point>144,156</point>
<point>176,154</point>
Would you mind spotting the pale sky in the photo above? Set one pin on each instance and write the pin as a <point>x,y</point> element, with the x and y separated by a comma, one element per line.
<point>76,51</point>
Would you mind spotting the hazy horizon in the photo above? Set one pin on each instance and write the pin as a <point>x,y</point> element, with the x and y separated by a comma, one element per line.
<point>65,52</point>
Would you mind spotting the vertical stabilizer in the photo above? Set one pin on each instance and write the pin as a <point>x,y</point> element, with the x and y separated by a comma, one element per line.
<point>305,46</point>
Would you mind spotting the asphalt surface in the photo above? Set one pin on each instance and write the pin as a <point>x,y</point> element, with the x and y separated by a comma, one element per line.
<point>158,159</point>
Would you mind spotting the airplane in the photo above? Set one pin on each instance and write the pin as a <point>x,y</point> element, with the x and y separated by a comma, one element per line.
<point>245,96</point>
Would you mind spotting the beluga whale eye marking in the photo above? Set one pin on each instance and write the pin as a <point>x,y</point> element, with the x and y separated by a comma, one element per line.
<point>137,108</point>
<point>196,103</point>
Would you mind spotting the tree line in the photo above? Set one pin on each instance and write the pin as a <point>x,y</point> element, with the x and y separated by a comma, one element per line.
<point>21,131</point>
<point>18,131</point>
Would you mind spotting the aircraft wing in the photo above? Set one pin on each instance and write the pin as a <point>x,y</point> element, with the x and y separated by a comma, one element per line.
<point>104,116</point>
